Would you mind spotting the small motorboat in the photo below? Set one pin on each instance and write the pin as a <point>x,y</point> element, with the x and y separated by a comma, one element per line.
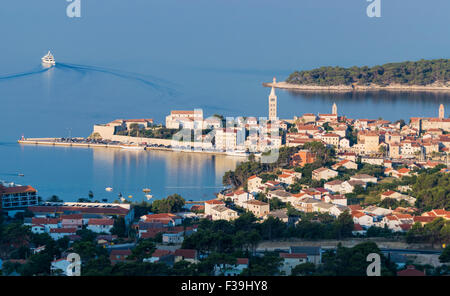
<point>146,190</point>
<point>130,196</point>
<point>149,196</point>
<point>108,189</point>
<point>21,175</point>
<point>122,199</point>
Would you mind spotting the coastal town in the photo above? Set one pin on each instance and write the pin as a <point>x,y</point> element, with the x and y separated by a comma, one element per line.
<point>349,181</point>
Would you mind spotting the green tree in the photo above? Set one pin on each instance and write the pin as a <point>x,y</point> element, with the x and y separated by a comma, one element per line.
<point>144,249</point>
<point>445,256</point>
<point>119,228</point>
<point>54,198</point>
<point>172,204</point>
<point>344,225</point>
<point>307,268</point>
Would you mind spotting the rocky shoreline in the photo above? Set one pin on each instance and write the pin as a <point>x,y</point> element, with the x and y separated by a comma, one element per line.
<point>360,88</point>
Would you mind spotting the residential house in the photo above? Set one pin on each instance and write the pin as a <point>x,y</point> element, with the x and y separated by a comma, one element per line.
<point>362,219</point>
<point>100,225</point>
<point>286,179</point>
<point>72,221</point>
<point>167,219</point>
<point>398,196</point>
<point>334,186</point>
<point>282,195</point>
<point>161,256</point>
<point>313,254</point>
<point>410,271</point>
<point>231,269</point>
<point>209,204</point>
<point>337,199</point>
<point>280,214</point>
<point>223,213</point>
<point>291,260</point>
<point>348,164</point>
<point>358,230</point>
<point>258,208</point>
<point>323,173</point>
<point>60,266</point>
<point>119,256</point>
<point>189,255</point>
<point>364,178</point>
<point>253,183</point>
<point>302,158</point>
<point>377,211</point>
<point>57,233</point>
<point>239,197</point>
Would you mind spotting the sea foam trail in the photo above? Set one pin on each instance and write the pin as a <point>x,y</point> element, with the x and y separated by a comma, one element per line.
<point>35,71</point>
<point>155,84</point>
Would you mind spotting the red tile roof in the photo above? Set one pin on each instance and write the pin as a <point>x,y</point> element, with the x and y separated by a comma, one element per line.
<point>410,271</point>
<point>115,210</point>
<point>186,253</point>
<point>72,217</point>
<point>357,227</point>
<point>44,221</point>
<point>63,230</point>
<point>126,252</point>
<point>16,189</point>
<point>151,233</point>
<point>214,202</point>
<point>293,255</point>
<point>160,253</point>
<point>101,222</point>
<point>242,261</point>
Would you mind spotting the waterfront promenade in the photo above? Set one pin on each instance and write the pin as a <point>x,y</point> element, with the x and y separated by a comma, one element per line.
<point>83,142</point>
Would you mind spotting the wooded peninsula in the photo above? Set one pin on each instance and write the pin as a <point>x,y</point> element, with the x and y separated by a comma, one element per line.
<point>423,75</point>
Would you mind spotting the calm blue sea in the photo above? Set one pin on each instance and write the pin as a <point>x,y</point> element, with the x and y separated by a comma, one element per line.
<point>134,59</point>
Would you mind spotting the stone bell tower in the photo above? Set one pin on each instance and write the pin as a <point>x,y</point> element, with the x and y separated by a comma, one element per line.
<point>273,102</point>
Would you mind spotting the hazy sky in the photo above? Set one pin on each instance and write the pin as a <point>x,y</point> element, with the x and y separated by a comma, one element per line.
<point>239,34</point>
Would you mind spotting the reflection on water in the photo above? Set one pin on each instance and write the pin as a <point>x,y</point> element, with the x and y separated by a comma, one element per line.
<point>193,175</point>
<point>390,105</point>
<point>71,172</point>
<point>381,96</point>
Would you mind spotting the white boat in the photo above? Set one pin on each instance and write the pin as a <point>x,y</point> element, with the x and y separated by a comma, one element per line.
<point>237,153</point>
<point>122,199</point>
<point>108,189</point>
<point>132,147</point>
<point>48,59</point>
<point>148,196</point>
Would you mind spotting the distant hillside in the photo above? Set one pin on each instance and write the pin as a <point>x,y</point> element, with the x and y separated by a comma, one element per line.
<point>423,72</point>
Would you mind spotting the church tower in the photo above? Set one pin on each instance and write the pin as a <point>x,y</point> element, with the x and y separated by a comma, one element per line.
<point>334,109</point>
<point>273,102</point>
<point>441,111</point>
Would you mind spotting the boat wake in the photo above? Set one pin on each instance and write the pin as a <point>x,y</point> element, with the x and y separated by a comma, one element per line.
<point>38,70</point>
<point>155,83</point>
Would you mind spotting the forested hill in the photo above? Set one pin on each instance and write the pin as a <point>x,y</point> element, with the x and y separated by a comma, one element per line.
<point>423,72</point>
